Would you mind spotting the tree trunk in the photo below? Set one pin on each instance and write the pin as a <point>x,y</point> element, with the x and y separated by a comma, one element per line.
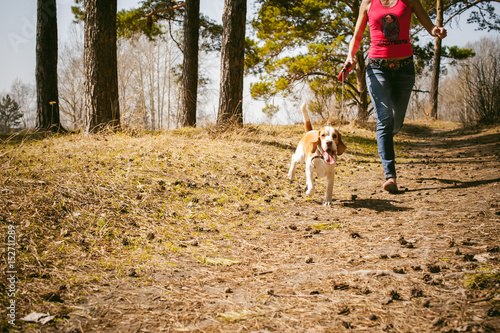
<point>46,66</point>
<point>232,63</point>
<point>100,60</point>
<point>190,64</point>
<point>436,66</point>
<point>361,88</point>
<point>363,113</point>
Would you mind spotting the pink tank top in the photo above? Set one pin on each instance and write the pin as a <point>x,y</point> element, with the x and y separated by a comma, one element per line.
<point>390,30</point>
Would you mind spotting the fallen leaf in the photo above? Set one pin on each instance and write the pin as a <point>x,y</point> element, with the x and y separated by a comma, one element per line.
<point>36,317</point>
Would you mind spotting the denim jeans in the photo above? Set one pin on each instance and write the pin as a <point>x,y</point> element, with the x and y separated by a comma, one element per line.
<point>390,92</point>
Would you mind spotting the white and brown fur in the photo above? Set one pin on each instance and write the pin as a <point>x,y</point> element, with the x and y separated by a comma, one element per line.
<point>319,149</point>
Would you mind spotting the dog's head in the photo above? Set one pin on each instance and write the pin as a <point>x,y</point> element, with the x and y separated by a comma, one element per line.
<point>330,142</point>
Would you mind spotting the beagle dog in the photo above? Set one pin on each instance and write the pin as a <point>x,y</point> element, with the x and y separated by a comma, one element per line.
<point>319,149</point>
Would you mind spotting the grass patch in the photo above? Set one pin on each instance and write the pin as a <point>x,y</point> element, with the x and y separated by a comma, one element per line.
<point>483,281</point>
<point>235,316</point>
<point>216,261</point>
<point>327,226</point>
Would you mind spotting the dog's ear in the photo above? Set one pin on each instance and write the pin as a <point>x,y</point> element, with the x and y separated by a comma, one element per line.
<point>314,145</point>
<point>340,145</point>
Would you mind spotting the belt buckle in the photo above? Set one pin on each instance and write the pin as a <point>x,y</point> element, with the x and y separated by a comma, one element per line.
<point>392,65</point>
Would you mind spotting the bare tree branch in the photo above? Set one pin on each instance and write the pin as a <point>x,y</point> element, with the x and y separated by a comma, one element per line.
<point>165,10</point>
<point>149,17</point>
<point>458,13</point>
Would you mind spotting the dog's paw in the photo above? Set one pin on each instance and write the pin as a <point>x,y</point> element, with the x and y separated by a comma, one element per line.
<point>310,191</point>
<point>327,203</point>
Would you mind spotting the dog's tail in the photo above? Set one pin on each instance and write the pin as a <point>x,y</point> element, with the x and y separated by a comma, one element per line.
<point>307,121</point>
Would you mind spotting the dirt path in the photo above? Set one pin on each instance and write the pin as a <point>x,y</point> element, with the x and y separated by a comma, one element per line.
<point>423,260</point>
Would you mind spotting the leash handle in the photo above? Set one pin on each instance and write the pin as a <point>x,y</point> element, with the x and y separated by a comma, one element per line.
<point>342,77</point>
<point>344,72</point>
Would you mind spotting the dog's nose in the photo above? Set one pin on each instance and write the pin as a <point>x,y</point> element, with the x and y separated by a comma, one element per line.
<point>329,143</point>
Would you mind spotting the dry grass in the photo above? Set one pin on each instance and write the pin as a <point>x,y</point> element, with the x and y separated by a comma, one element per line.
<point>194,230</point>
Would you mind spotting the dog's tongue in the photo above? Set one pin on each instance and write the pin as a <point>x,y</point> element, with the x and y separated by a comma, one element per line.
<point>329,157</point>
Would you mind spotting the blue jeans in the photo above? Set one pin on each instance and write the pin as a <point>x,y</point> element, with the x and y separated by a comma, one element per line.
<point>390,92</point>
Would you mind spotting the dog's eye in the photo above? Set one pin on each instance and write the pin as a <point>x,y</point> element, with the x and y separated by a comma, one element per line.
<point>323,135</point>
<point>335,136</point>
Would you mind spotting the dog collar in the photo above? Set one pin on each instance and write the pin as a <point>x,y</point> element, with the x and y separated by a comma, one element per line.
<point>317,154</point>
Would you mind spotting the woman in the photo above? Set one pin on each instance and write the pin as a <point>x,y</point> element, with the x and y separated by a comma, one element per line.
<point>390,73</point>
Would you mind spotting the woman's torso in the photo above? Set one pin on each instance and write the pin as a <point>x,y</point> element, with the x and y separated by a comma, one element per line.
<point>389,22</point>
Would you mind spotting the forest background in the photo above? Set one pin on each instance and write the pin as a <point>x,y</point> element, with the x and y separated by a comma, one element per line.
<point>149,72</point>
<point>172,230</point>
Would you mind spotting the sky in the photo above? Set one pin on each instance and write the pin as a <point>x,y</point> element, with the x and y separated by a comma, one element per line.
<point>18,34</point>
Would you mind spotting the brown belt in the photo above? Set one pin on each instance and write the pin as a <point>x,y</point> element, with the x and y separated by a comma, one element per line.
<point>391,64</point>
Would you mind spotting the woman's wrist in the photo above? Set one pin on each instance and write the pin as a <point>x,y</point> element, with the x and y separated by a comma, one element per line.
<point>433,31</point>
<point>350,59</point>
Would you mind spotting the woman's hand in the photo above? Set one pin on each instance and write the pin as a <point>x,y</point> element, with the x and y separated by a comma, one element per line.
<point>349,59</point>
<point>425,20</point>
<point>439,32</point>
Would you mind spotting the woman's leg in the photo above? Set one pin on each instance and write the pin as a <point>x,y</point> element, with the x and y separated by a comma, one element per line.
<point>402,85</point>
<point>390,93</point>
<point>380,90</point>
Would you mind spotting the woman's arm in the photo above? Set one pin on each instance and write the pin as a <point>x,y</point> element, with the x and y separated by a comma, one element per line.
<point>425,20</point>
<point>359,30</point>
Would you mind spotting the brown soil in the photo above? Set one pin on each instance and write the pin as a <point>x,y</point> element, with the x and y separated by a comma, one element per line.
<point>423,260</point>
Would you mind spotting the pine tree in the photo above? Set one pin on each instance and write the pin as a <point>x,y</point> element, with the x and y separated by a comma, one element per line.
<point>306,42</point>
<point>232,63</point>
<point>482,13</point>
<point>100,62</point>
<point>300,41</point>
<point>10,114</point>
<point>189,91</point>
<point>46,66</point>
<point>148,19</point>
